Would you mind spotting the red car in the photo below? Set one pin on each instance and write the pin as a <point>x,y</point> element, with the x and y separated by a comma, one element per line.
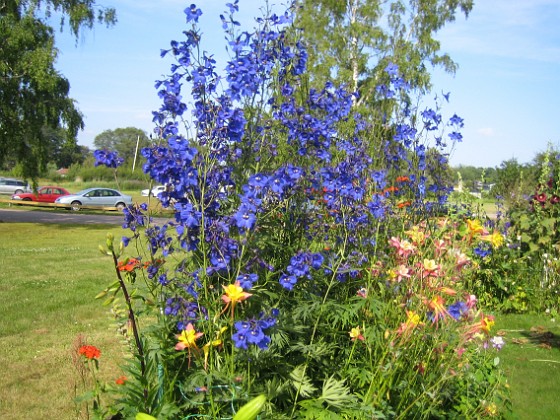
<point>44,195</point>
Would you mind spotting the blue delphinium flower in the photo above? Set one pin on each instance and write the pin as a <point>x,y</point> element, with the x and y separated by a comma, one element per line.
<point>457,310</point>
<point>252,331</point>
<point>247,281</point>
<point>193,13</point>
<point>107,158</point>
<point>483,250</point>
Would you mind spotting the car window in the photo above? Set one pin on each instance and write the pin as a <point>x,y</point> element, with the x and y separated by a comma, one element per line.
<point>46,191</point>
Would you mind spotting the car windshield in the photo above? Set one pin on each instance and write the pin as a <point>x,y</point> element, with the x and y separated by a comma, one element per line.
<point>82,192</point>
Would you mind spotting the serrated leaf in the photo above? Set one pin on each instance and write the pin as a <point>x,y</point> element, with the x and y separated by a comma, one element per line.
<point>336,393</point>
<point>301,382</point>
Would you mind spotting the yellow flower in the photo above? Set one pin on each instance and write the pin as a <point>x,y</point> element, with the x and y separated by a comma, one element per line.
<point>496,239</point>
<point>356,334</point>
<point>214,343</point>
<point>416,235</point>
<point>412,318</point>
<point>492,410</point>
<point>475,226</point>
<point>234,293</point>
<point>187,338</point>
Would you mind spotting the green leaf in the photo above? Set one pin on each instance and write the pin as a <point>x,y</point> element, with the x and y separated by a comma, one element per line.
<point>336,393</point>
<point>301,382</point>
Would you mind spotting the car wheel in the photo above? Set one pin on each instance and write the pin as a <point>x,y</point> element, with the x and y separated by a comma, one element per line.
<point>120,206</point>
<point>76,206</point>
<point>26,199</point>
<point>18,192</point>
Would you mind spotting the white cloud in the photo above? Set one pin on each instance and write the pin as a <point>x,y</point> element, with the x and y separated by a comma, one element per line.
<point>486,132</point>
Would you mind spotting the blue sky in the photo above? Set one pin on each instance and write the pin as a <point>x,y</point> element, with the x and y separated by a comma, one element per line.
<point>506,88</point>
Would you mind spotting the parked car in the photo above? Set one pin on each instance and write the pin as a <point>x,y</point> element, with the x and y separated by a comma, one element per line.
<point>154,191</point>
<point>44,195</point>
<point>13,186</point>
<point>96,197</point>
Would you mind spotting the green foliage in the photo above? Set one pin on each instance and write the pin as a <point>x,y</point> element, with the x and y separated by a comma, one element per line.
<point>404,363</point>
<point>345,38</point>
<point>126,141</point>
<point>37,116</point>
<point>514,181</point>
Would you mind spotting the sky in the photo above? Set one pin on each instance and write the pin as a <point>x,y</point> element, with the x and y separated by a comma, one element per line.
<point>507,87</point>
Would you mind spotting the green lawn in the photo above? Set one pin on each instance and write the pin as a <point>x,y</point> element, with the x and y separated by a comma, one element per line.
<point>48,279</point>
<point>531,359</point>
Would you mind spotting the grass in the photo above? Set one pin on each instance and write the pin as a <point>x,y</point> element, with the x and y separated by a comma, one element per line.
<point>531,359</point>
<point>48,279</point>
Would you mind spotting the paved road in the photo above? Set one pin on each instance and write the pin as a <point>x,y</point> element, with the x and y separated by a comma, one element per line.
<point>26,216</point>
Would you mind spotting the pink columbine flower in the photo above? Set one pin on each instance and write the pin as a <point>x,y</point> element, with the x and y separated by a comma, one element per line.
<point>404,248</point>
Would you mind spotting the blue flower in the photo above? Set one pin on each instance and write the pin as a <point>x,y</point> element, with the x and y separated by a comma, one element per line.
<point>240,340</point>
<point>245,217</point>
<point>246,281</point>
<point>107,158</point>
<point>482,251</point>
<point>288,282</point>
<point>457,310</point>
<point>193,13</point>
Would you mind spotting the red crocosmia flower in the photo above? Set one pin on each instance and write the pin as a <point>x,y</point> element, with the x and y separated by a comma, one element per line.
<point>390,189</point>
<point>90,352</point>
<point>402,179</point>
<point>120,380</point>
<point>404,204</point>
<point>129,264</point>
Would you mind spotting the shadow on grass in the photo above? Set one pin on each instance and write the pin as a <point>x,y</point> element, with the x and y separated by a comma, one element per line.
<point>541,337</point>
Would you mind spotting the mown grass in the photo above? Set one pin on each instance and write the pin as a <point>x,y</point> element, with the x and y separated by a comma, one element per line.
<point>531,359</point>
<point>48,279</point>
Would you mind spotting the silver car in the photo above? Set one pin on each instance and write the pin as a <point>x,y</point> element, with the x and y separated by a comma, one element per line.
<point>13,186</point>
<point>96,197</point>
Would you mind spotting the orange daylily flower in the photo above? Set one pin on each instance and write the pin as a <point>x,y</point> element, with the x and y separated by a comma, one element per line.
<point>404,204</point>
<point>121,380</point>
<point>475,226</point>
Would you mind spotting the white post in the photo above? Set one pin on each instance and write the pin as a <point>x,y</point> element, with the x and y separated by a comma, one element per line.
<point>135,153</point>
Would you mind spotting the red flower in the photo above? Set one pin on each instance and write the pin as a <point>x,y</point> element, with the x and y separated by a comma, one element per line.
<point>130,264</point>
<point>120,380</point>
<point>541,198</point>
<point>90,352</point>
